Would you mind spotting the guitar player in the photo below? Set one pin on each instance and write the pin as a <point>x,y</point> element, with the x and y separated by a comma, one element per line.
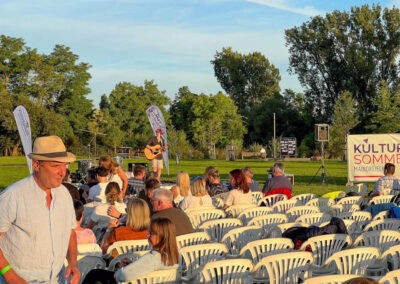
<point>157,145</point>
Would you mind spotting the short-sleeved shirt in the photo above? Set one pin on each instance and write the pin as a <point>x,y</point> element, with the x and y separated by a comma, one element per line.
<point>236,197</point>
<point>191,201</point>
<point>135,185</point>
<point>100,215</point>
<point>387,183</point>
<point>98,192</point>
<point>36,238</point>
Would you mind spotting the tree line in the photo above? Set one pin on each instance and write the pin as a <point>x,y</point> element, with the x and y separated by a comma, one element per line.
<point>346,61</point>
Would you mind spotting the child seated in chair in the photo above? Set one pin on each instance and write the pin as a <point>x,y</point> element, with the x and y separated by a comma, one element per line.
<point>83,235</point>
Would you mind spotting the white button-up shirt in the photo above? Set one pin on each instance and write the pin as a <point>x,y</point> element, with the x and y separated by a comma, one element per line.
<point>35,239</point>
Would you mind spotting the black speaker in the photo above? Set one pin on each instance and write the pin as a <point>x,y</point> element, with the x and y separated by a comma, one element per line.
<point>322,132</point>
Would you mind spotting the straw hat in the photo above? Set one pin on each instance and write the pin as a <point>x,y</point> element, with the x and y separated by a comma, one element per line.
<point>50,148</point>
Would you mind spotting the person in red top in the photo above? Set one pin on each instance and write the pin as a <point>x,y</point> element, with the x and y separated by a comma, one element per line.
<point>137,223</point>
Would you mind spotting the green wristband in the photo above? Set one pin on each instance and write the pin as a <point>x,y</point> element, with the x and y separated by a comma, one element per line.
<point>5,269</point>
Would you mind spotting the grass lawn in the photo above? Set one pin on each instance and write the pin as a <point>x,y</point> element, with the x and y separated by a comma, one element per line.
<point>14,168</point>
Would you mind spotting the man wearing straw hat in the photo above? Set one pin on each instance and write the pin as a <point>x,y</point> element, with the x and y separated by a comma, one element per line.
<point>36,221</point>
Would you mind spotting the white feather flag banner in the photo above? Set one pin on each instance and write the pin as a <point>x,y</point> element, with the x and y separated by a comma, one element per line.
<point>156,119</point>
<point>24,128</point>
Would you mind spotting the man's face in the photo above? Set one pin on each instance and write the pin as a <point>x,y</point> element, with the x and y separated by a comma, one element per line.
<point>49,174</point>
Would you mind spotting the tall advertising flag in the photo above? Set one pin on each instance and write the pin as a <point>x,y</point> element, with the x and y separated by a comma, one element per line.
<point>24,128</point>
<point>157,122</point>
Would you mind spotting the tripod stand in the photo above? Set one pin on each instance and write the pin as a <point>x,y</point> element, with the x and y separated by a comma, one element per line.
<point>322,168</point>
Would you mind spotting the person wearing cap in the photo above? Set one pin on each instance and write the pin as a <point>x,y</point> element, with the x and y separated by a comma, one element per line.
<point>37,219</point>
<point>157,145</point>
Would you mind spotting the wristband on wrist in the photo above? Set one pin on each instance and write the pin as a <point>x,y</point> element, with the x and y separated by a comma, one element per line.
<point>5,269</point>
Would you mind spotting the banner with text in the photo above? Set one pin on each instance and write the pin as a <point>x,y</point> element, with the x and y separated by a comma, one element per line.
<point>156,119</point>
<point>24,128</point>
<point>368,153</point>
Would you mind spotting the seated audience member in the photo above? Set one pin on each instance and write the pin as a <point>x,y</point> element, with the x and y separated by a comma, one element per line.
<point>137,223</point>
<point>97,192</point>
<point>72,189</point>
<point>83,235</point>
<point>214,186</point>
<point>163,207</point>
<point>253,184</point>
<point>136,184</point>
<point>164,255</point>
<point>199,197</point>
<point>115,173</point>
<point>91,180</point>
<point>99,217</point>
<point>240,194</point>
<point>147,193</point>
<point>182,187</point>
<point>279,183</point>
<point>388,182</point>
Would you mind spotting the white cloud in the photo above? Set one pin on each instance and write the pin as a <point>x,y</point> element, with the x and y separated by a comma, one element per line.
<point>283,5</point>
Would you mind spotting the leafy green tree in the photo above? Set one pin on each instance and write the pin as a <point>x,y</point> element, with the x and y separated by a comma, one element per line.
<point>216,121</point>
<point>345,118</point>
<point>247,79</point>
<point>127,122</point>
<point>342,51</point>
<point>181,111</point>
<point>385,119</point>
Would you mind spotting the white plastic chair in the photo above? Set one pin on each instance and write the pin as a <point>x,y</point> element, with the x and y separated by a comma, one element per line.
<point>360,188</point>
<point>267,222</point>
<point>216,229</point>
<point>284,268</point>
<point>246,215</point>
<point>381,199</point>
<point>256,250</point>
<point>296,212</point>
<point>237,238</point>
<point>89,249</point>
<point>337,209</point>
<point>381,239</point>
<point>314,218</point>
<point>217,202</point>
<point>226,271</point>
<point>361,217</point>
<point>385,224</point>
<point>88,263</point>
<point>198,217</point>
<point>196,256</point>
<point>330,279</point>
<point>381,215</point>
<point>115,262</point>
<point>323,247</point>
<point>140,246</point>
<point>304,198</point>
<point>351,200</point>
<point>257,196</point>
<point>392,257</point>
<point>392,277</point>
<point>284,206</point>
<point>192,239</point>
<point>235,210</point>
<point>354,261</point>
<point>322,203</point>
<point>169,276</point>
<point>272,199</point>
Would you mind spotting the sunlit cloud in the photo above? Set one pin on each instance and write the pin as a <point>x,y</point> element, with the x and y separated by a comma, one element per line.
<point>285,6</point>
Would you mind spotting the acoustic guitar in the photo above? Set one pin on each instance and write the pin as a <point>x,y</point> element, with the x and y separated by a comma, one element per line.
<point>155,153</point>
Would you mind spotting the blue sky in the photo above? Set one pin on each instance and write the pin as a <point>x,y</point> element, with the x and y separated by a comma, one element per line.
<point>169,41</point>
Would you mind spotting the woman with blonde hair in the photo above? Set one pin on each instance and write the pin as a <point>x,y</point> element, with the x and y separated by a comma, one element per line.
<point>199,197</point>
<point>99,217</point>
<point>164,255</point>
<point>115,172</point>
<point>137,223</point>
<point>182,187</point>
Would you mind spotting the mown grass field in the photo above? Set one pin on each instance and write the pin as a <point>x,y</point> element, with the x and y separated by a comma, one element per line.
<point>14,168</point>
